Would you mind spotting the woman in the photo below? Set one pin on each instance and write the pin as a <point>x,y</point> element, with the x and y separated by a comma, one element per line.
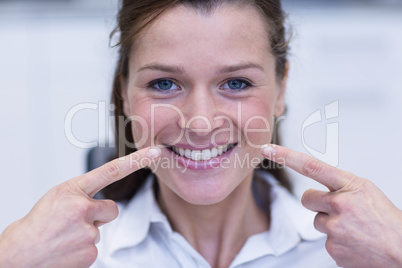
<point>203,80</point>
<point>200,82</point>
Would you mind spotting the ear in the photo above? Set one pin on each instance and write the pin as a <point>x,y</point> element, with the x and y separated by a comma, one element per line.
<point>280,100</point>
<point>124,95</point>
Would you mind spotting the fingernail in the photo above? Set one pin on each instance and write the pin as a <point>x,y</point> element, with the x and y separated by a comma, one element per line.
<point>268,150</point>
<point>154,152</point>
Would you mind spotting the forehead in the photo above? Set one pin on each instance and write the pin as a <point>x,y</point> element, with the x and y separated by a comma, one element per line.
<point>229,32</point>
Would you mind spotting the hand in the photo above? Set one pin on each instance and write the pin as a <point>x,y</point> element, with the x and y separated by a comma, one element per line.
<point>62,228</point>
<point>364,228</point>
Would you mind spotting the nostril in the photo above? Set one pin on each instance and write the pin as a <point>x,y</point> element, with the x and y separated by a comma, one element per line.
<point>219,121</point>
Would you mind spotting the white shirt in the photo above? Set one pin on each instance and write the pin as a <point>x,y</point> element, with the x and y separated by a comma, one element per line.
<point>141,236</point>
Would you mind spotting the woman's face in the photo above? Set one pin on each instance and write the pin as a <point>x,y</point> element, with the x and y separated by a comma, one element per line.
<point>204,87</point>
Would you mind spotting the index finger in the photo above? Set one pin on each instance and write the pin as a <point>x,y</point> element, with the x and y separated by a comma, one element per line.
<point>97,179</point>
<point>333,178</point>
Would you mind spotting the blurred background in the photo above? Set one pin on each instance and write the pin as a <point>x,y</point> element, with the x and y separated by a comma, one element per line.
<point>55,55</point>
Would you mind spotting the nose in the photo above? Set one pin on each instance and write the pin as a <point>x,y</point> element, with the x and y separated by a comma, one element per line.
<point>201,112</point>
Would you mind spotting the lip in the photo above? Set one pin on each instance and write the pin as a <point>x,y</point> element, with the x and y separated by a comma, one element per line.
<point>200,165</point>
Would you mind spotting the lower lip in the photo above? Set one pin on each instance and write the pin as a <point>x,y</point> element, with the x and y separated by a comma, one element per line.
<point>202,165</point>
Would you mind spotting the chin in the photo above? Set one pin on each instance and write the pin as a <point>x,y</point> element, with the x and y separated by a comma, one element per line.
<point>206,188</point>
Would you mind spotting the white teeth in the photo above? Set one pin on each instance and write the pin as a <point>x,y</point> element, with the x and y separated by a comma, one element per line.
<point>196,155</point>
<point>220,150</point>
<point>187,153</point>
<point>214,152</point>
<point>206,154</point>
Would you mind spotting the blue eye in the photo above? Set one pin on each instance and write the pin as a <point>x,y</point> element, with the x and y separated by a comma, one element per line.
<point>236,84</point>
<point>163,85</point>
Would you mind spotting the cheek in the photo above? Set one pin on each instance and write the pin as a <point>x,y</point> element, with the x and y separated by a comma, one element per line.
<point>154,123</point>
<point>141,124</point>
<point>257,124</point>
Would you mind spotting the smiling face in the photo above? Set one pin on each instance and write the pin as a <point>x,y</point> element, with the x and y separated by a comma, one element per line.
<point>204,87</point>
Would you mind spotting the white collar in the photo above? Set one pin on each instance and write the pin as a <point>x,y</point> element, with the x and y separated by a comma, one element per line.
<point>137,215</point>
<point>290,224</point>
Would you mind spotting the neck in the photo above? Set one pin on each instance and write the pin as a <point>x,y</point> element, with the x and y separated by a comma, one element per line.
<point>216,231</point>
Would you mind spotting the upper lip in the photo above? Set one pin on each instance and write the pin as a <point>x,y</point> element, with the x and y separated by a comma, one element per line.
<point>201,147</point>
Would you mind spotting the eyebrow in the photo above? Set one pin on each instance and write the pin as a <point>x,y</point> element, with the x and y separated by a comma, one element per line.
<point>179,70</point>
<point>162,67</point>
<point>238,67</point>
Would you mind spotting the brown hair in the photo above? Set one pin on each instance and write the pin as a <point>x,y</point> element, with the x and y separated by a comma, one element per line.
<point>133,16</point>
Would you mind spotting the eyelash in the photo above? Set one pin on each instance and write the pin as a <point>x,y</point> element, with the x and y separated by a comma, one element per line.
<point>247,84</point>
<point>154,83</point>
